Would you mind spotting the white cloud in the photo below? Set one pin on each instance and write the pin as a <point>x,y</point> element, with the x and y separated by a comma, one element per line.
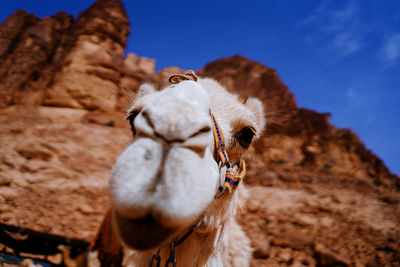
<point>391,49</point>
<point>370,119</point>
<point>315,16</point>
<point>351,93</point>
<point>346,43</point>
<point>362,103</point>
<point>342,27</point>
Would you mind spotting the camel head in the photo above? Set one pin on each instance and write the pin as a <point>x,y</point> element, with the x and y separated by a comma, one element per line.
<point>167,179</point>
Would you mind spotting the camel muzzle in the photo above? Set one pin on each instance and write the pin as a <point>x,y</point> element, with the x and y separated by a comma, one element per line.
<point>142,234</point>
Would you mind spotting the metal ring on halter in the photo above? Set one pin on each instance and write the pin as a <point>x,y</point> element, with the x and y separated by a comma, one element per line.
<point>171,258</point>
<point>222,174</point>
<point>222,189</point>
<point>156,258</point>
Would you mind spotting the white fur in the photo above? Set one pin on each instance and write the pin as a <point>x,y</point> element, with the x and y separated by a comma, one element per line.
<point>170,174</point>
<point>145,89</point>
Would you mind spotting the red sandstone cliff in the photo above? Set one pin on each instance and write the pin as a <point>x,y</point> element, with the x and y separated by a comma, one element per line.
<point>318,197</point>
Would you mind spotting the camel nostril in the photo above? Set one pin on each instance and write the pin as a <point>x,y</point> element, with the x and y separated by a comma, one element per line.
<point>201,131</point>
<point>145,113</point>
<point>146,116</point>
<point>198,141</point>
<point>199,150</point>
<point>205,129</point>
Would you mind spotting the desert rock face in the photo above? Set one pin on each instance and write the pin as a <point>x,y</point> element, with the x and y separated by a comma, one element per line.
<point>89,77</point>
<point>318,197</point>
<point>61,62</point>
<point>27,46</point>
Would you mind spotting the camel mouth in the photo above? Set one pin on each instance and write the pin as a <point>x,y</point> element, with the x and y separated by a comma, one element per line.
<point>142,234</point>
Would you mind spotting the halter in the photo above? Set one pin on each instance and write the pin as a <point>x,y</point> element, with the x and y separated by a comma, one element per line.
<point>230,176</point>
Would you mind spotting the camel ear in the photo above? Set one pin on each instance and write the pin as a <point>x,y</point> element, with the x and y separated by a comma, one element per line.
<point>256,106</point>
<point>145,89</point>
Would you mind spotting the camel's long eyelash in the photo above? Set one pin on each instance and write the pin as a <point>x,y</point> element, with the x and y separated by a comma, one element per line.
<point>245,136</point>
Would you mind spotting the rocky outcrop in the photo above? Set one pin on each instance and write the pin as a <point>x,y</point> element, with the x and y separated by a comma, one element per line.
<point>89,76</point>
<point>27,45</point>
<point>57,61</point>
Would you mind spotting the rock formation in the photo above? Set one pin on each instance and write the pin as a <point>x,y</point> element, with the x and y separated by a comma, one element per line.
<point>27,46</point>
<point>318,197</point>
<point>89,75</point>
<point>61,62</point>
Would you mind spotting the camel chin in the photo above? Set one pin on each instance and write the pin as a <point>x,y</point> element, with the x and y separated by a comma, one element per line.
<point>142,234</point>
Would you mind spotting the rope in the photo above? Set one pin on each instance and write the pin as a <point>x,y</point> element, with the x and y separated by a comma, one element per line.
<point>188,76</point>
<point>233,178</point>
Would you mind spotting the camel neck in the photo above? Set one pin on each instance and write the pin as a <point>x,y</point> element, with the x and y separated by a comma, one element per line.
<point>194,251</point>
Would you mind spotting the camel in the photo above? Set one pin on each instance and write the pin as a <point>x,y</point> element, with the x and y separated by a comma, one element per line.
<point>168,188</point>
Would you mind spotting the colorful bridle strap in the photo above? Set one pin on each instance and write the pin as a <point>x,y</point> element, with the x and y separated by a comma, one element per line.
<point>219,142</point>
<point>232,176</point>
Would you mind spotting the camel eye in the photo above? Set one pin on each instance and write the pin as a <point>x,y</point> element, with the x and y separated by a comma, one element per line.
<point>131,119</point>
<point>246,136</point>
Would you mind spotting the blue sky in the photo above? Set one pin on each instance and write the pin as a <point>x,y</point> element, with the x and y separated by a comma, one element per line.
<point>336,56</point>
